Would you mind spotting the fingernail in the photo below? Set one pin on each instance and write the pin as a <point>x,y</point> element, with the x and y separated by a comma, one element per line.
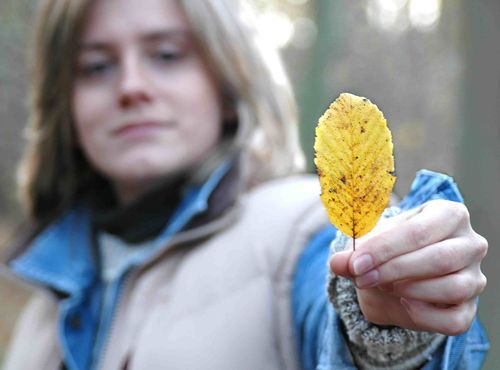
<point>362,264</point>
<point>367,280</point>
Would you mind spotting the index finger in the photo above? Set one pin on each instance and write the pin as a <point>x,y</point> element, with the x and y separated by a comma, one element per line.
<point>410,231</point>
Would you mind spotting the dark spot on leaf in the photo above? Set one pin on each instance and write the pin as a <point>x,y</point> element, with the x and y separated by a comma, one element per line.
<point>343,179</point>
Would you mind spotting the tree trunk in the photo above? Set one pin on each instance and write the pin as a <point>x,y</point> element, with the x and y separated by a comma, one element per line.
<point>479,153</point>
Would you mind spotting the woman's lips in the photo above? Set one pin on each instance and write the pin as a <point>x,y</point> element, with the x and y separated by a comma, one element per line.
<point>140,129</point>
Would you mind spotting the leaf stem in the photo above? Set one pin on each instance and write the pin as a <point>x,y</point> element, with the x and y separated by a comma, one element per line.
<point>354,243</point>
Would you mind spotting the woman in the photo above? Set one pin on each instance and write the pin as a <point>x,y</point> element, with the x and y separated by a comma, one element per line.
<point>168,229</point>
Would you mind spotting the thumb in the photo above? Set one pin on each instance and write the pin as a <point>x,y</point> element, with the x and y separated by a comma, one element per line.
<point>339,263</point>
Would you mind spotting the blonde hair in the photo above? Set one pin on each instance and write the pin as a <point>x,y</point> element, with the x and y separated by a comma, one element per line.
<point>54,173</point>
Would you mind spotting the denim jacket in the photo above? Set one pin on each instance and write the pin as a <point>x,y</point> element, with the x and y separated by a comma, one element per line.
<point>318,328</point>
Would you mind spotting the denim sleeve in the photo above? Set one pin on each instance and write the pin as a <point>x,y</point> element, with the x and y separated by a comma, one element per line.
<point>319,332</point>
<point>309,299</point>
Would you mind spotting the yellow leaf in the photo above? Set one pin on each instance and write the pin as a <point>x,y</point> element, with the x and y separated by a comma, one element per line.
<point>355,163</point>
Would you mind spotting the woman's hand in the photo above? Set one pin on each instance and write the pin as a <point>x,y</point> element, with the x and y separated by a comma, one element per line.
<point>419,270</point>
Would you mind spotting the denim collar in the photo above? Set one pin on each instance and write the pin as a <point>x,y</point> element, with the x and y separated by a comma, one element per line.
<point>61,257</point>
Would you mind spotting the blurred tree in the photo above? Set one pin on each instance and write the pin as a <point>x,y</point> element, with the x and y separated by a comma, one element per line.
<point>479,154</point>
<point>15,26</point>
<point>312,91</point>
<point>14,29</point>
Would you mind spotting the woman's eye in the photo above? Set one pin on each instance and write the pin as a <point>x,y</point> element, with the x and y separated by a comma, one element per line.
<point>168,56</point>
<point>94,69</point>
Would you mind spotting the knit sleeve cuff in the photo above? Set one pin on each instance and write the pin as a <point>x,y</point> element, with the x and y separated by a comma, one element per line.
<point>373,346</point>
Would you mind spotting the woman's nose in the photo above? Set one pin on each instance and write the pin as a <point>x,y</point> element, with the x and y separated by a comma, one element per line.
<point>134,87</point>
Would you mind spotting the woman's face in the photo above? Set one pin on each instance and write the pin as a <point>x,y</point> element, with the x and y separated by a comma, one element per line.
<point>145,104</point>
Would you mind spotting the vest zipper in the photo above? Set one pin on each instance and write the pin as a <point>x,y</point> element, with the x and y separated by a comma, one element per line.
<point>105,328</point>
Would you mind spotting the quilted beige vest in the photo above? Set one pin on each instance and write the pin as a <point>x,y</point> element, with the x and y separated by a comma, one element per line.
<point>218,298</point>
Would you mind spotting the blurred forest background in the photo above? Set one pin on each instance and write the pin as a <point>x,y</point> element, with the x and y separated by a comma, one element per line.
<point>432,66</point>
